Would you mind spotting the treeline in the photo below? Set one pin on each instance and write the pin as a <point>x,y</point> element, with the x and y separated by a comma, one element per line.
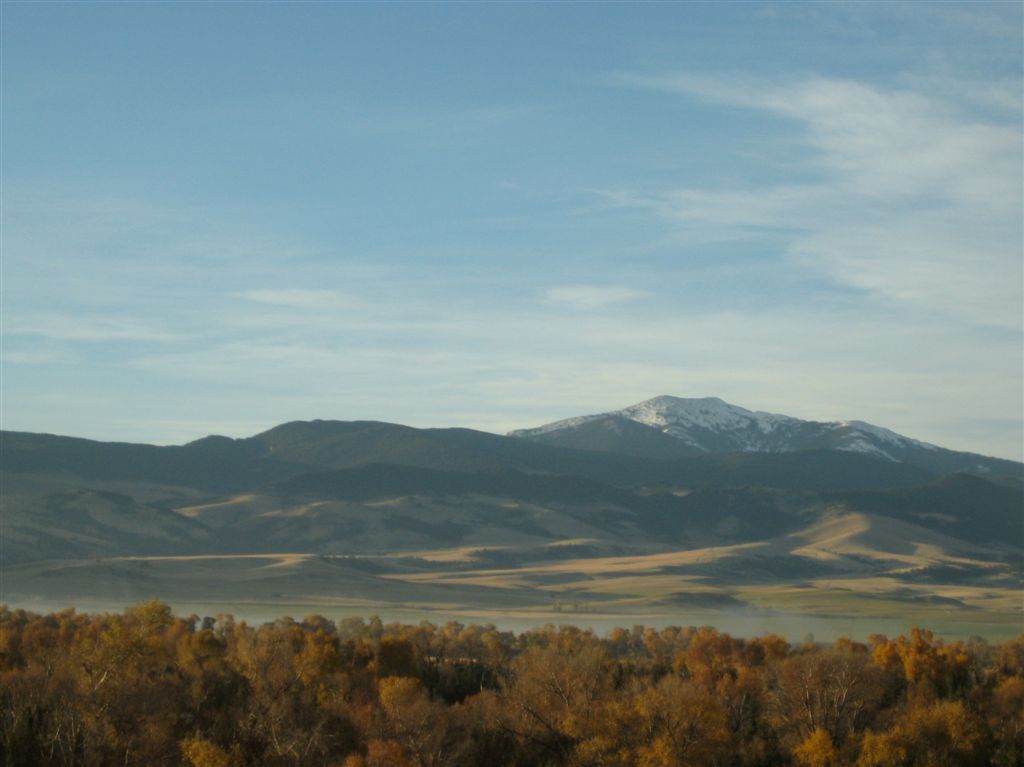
<point>149,688</point>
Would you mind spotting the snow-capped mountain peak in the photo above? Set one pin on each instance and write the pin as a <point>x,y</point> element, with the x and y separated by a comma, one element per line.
<point>705,412</point>
<point>709,424</point>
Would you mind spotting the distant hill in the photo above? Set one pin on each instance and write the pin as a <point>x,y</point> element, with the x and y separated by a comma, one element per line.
<point>653,463</point>
<point>375,481</point>
<point>217,464</point>
<point>958,505</point>
<point>346,444</point>
<point>799,470</point>
<point>220,464</point>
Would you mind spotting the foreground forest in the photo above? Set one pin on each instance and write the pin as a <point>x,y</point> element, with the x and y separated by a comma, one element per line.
<point>148,688</point>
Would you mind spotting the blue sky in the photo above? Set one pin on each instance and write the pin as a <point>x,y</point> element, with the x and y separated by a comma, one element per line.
<point>221,216</point>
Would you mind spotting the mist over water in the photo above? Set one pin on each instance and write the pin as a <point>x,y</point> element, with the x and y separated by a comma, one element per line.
<point>738,623</point>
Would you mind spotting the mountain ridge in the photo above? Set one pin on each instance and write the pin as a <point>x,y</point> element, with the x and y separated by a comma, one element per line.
<point>709,425</point>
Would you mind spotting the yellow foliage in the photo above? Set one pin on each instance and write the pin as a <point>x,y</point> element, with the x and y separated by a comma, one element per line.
<point>817,750</point>
<point>203,753</point>
<point>943,733</point>
<point>687,725</point>
<point>398,693</point>
<point>386,753</point>
<point>881,750</point>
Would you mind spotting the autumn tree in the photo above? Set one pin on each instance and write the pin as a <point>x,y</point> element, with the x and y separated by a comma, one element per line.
<point>832,691</point>
<point>553,693</point>
<point>941,733</point>
<point>147,688</point>
<point>682,723</point>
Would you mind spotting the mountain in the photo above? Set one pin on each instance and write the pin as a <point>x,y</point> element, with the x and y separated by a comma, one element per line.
<point>218,464</point>
<point>348,444</point>
<point>669,505</point>
<point>669,428</point>
<point>223,464</point>
<point>213,463</point>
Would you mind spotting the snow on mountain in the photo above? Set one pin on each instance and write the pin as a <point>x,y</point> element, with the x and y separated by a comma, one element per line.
<point>884,435</point>
<point>675,414</point>
<point>565,423</point>
<point>710,424</point>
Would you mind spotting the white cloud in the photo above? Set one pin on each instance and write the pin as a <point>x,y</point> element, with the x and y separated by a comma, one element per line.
<point>592,296</point>
<point>917,199</point>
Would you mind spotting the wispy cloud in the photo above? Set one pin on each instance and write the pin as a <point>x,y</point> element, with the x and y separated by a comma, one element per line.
<point>299,298</point>
<point>35,357</point>
<point>70,327</point>
<point>915,199</point>
<point>592,296</point>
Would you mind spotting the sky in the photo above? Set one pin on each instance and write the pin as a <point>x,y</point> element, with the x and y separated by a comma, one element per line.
<point>217,217</point>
